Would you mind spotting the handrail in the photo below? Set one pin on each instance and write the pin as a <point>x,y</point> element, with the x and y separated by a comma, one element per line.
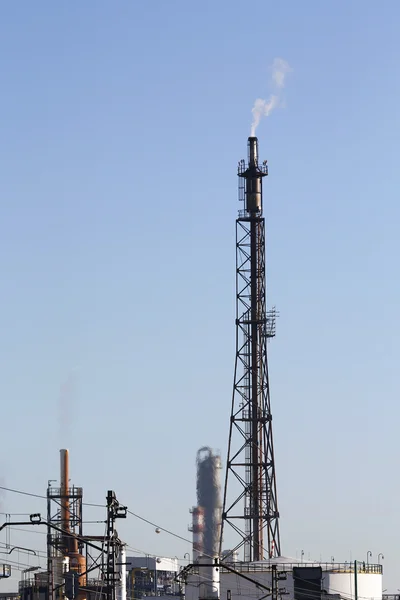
<point>331,567</point>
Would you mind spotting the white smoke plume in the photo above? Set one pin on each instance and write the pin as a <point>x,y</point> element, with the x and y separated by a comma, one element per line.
<point>262,108</point>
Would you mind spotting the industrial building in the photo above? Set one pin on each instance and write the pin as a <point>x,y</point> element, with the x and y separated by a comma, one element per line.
<point>152,576</point>
<point>9,596</point>
<point>285,577</point>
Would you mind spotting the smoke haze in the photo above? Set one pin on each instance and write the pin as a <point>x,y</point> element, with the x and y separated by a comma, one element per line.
<point>67,406</point>
<point>262,108</point>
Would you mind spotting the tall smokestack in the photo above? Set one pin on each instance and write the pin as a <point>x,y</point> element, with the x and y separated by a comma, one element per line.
<point>250,463</point>
<point>69,543</point>
<point>253,179</point>
<point>76,561</point>
<point>64,485</point>
<point>253,151</point>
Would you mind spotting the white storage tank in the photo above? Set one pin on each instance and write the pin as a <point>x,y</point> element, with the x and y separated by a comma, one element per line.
<point>369,585</point>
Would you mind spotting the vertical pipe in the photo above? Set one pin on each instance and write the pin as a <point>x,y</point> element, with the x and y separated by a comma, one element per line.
<point>355,581</point>
<point>215,581</point>
<point>253,152</point>
<point>64,483</point>
<point>253,180</point>
<point>123,573</point>
<point>121,590</point>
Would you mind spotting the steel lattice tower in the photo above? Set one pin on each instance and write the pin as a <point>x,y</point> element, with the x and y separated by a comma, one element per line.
<point>250,461</point>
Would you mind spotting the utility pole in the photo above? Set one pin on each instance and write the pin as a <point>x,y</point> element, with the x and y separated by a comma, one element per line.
<point>112,574</point>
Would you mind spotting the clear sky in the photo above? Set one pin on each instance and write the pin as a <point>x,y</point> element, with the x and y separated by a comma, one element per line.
<point>121,127</point>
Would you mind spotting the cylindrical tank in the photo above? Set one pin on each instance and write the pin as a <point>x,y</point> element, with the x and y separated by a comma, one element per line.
<point>121,589</point>
<point>210,578</point>
<point>230,556</point>
<point>369,585</point>
<point>77,564</point>
<point>198,531</point>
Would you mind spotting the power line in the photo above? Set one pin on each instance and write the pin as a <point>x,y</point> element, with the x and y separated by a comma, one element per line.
<point>6,489</point>
<point>23,493</point>
<point>176,535</point>
<point>31,494</point>
<point>36,531</point>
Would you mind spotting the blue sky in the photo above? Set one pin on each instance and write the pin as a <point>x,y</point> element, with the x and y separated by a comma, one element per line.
<point>122,124</point>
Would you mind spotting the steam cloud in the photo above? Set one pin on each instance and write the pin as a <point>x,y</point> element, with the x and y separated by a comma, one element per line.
<point>262,108</point>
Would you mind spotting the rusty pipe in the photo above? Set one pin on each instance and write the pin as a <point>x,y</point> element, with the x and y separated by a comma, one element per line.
<point>70,543</point>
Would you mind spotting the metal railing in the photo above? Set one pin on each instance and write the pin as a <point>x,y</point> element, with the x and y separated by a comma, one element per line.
<point>244,567</point>
<point>243,166</point>
<point>73,492</point>
<point>31,583</point>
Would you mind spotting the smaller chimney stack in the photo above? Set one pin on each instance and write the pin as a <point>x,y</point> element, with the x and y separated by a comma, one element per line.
<point>64,489</point>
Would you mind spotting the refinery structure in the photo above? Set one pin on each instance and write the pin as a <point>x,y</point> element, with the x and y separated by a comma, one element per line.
<point>255,566</point>
<point>243,510</point>
<point>87,567</point>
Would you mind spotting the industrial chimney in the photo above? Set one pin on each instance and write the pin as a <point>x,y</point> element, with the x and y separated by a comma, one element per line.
<point>70,545</point>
